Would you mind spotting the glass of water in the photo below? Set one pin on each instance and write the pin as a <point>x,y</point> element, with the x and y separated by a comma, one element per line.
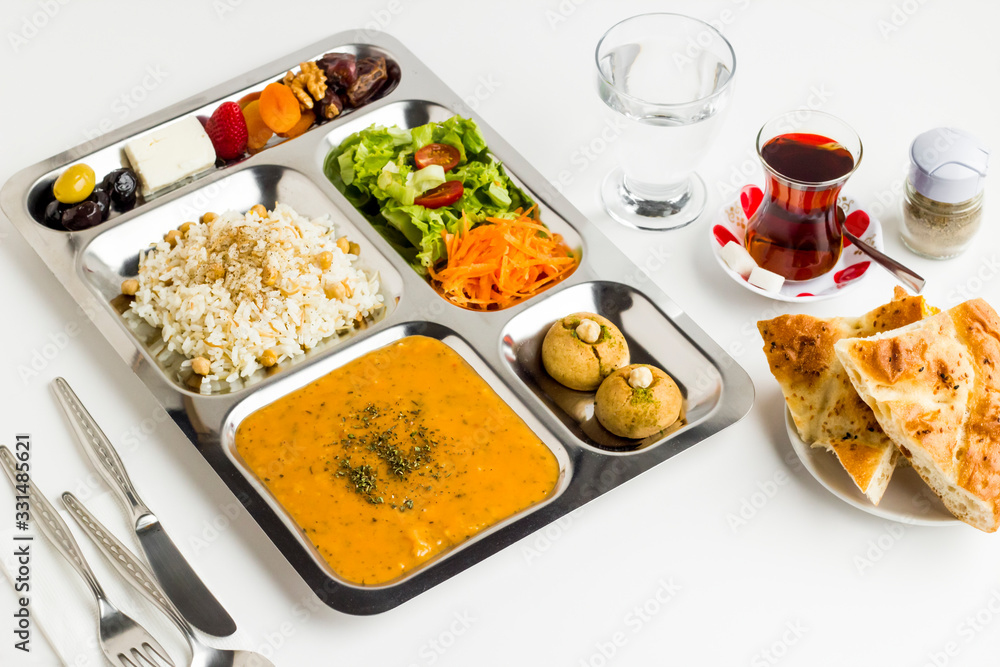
<point>669,79</point>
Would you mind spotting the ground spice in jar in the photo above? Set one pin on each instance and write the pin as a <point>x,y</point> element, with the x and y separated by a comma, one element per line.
<point>943,194</point>
<point>939,229</point>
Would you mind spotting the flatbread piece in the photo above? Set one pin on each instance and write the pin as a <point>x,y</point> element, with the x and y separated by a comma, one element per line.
<point>825,407</point>
<point>934,388</point>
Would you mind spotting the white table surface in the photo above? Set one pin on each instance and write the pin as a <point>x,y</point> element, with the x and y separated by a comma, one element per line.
<point>664,570</point>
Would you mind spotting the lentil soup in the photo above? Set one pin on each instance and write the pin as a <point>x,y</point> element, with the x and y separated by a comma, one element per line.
<point>395,457</point>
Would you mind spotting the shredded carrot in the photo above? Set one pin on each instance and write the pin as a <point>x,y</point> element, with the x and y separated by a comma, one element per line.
<point>500,262</point>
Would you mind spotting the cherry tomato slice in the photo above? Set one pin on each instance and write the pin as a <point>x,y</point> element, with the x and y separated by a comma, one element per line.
<point>442,154</point>
<point>447,193</point>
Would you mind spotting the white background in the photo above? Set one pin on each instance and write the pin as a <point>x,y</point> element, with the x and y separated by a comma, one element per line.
<point>857,589</point>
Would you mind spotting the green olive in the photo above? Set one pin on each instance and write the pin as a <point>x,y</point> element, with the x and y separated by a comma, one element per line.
<point>75,184</point>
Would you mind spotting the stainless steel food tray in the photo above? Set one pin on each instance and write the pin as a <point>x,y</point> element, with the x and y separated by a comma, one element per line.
<point>502,346</point>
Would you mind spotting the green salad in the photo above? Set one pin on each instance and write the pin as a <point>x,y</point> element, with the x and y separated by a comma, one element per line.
<point>412,184</point>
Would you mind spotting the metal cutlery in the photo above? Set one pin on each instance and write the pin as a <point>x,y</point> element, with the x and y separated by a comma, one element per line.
<point>122,640</point>
<point>132,569</point>
<point>903,274</point>
<point>195,602</point>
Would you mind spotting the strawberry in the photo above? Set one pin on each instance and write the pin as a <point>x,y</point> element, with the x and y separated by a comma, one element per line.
<point>228,131</point>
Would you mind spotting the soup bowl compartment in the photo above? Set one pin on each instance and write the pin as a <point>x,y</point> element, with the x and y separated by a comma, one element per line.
<point>294,542</point>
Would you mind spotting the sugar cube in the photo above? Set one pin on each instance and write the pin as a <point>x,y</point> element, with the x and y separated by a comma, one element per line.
<point>766,280</point>
<point>738,259</point>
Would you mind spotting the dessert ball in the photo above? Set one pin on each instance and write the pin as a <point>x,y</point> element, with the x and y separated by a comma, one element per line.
<point>582,349</point>
<point>637,401</point>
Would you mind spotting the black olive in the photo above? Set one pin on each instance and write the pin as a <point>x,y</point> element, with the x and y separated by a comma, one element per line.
<point>84,215</point>
<point>122,185</point>
<point>53,213</point>
<point>103,201</point>
<point>108,180</point>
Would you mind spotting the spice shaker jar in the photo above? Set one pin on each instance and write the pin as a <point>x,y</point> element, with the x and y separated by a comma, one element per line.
<point>943,193</point>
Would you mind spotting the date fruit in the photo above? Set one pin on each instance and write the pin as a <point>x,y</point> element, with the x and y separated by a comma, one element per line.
<point>371,76</point>
<point>331,105</point>
<point>340,69</point>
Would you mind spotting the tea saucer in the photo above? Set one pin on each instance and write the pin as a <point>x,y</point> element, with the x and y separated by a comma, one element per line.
<point>852,266</point>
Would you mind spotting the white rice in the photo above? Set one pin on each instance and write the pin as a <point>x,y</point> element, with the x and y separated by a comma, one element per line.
<point>232,320</point>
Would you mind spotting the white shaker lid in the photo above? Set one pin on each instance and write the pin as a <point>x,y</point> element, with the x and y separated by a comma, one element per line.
<point>948,165</point>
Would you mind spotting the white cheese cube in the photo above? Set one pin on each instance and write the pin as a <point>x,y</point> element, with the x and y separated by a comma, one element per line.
<point>766,280</point>
<point>164,156</point>
<point>738,259</point>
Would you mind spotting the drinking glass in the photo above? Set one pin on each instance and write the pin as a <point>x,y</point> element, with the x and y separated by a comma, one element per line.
<point>669,77</point>
<point>807,158</point>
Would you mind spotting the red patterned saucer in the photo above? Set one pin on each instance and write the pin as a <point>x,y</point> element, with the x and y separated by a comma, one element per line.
<point>852,266</point>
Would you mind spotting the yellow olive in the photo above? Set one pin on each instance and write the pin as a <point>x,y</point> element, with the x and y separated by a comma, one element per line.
<point>75,184</point>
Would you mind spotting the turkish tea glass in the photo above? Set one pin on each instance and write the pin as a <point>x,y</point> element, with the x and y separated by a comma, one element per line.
<point>669,78</point>
<point>807,158</point>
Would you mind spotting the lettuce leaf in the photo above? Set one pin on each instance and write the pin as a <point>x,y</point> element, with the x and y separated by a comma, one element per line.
<point>374,170</point>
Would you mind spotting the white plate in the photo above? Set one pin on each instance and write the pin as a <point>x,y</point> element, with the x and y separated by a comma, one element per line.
<point>907,499</point>
<point>851,268</point>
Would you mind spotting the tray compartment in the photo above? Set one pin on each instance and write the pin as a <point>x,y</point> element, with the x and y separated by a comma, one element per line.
<point>112,156</point>
<point>287,530</point>
<point>113,255</point>
<point>413,113</point>
<point>653,338</point>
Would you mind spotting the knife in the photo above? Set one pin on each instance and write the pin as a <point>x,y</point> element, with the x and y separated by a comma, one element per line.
<point>195,602</point>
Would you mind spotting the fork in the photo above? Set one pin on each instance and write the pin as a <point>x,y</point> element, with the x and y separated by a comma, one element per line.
<point>122,640</point>
<point>132,569</point>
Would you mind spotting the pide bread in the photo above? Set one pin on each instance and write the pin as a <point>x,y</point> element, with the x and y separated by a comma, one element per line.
<point>934,388</point>
<point>825,407</point>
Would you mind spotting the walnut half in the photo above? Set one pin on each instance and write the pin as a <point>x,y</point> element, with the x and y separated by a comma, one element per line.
<point>309,85</point>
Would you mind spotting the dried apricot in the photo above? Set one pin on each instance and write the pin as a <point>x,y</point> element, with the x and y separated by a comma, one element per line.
<point>258,132</point>
<point>279,107</point>
<point>248,98</point>
<point>308,118</point>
